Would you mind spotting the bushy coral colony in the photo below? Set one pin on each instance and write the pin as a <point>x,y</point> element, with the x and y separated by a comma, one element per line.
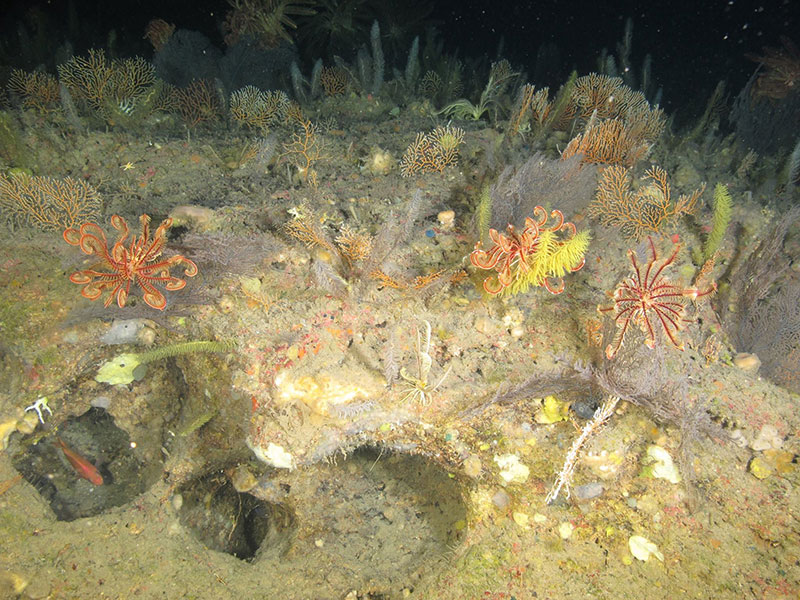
<point>385,241</point>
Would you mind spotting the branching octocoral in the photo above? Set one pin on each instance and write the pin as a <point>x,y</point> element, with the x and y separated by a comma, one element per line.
<point>642,212</point>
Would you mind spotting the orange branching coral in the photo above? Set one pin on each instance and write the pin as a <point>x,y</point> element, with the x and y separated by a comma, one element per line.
<point>37,90</point>
<point>350,245</point>
<point>258,110</point>
<point>198,102</point>
<point>605,97</point>
<point>782,73</point>
<point>103,84</point>
<point>432,152</point>
<point>46,203</point>
<point>334,81</point>
<point>431,84</point>
<point>648,300</point>
<point>353,245</point>
<point>304,228</point>
<point>609,142</point>
<point>304,150</point>
<point>268,21</point>
<point>87,78</point>
<point>645,211</point>
<point>158,32</point>
<point>139,263</point>
<point>418,283</point>
<point>532,107</point>
<point>621,126</point>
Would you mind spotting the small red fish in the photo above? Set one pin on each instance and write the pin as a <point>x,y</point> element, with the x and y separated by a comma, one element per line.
<point>82,466</point>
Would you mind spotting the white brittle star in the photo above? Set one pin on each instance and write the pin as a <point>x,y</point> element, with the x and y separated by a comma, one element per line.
<point>38,406</point>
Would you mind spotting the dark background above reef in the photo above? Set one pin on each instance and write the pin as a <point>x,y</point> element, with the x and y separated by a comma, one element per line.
<point>693,44</point>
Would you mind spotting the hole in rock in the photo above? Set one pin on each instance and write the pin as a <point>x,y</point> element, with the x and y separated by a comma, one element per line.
<point>83,467</point>
<point>234,522</point>
<point>379,521</point>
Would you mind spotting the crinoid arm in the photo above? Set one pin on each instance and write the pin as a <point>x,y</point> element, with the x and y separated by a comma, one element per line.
<point>648,299</point>
<point>136,263</point>
<point>536,256</point>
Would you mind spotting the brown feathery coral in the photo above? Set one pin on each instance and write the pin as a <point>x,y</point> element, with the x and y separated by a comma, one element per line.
<point>107,85</point>
<point>258,110</point>
<point>605,97</point>
<point>46,203</point>
<point>304,151</point>
<point>608,142</point>
<point>532,106</point>
<point>139,263</point>
<point>158,32</point>
<point>198,102</point>
<point>645,211</point>
<point>334,81</point>
<point>37,90</point>
<point>432,152</point>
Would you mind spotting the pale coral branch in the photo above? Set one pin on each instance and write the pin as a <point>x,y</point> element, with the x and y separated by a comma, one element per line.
<point>564,479</point>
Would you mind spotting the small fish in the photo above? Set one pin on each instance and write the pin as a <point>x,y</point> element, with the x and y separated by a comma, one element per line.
<point>82,466</point>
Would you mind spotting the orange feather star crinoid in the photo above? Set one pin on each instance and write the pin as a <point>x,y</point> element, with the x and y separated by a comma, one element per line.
<point>648,299</point>
<point>140,262</point>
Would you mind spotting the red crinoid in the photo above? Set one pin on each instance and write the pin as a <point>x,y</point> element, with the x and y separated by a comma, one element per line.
<point>137,263</point>
<point>513,254</point>
<point>648,300</point>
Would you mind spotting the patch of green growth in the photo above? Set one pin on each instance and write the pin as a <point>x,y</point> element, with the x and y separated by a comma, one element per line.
<point>49,356</point>
<point>197,422</point>
<point>719,222</point>
<point>14,315</point>
<point>129,367</point>
<point>497,375</point>
<point>483,214</point>
<point>12,529</point>
<point>12,149</point>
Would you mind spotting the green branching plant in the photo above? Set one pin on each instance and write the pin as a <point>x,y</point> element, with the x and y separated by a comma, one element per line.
<point>467,111</point>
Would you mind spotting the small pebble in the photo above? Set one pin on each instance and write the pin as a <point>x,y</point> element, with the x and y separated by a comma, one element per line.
<point>122,331</point>
<point>585,407</point>
<point>517,332</point>
<point>747,362</point>
<point>446,218</point>
<point>521,519</point>
<point>768,439</point>
<point>500,499</point>
<point>472,466</point>
<point>565,530</point>
<point>101,402</point>
<point>587,491</point>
